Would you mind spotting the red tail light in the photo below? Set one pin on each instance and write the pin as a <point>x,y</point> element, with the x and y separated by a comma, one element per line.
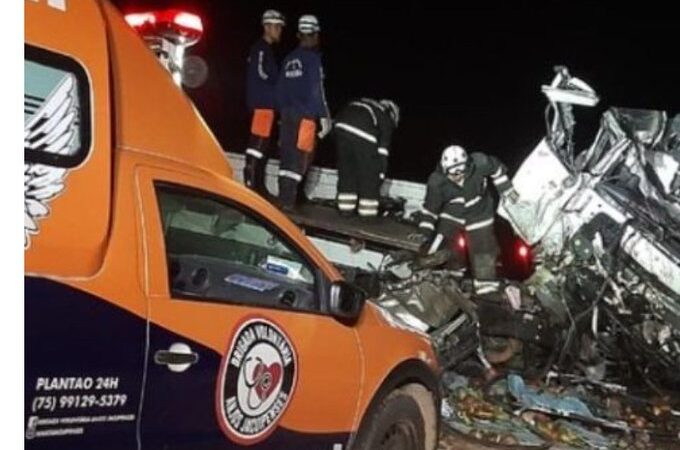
<point>461,242</point>
<point>523,251</point>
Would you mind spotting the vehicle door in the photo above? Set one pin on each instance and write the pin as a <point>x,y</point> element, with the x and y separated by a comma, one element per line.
<point>241,353</point>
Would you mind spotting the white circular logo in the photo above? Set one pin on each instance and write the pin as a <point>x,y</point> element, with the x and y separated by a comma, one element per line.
<point>257,381</point>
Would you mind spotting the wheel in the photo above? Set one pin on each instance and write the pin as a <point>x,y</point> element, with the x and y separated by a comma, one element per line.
<point>404,420</point>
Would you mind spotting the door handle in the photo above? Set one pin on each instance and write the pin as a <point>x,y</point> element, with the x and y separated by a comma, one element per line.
<point>178,357</point>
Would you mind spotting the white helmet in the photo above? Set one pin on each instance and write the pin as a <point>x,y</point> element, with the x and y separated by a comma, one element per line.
<point>392,109</point>
<point>308,24</point>
<point>272,16</point>
<point>454,160</point>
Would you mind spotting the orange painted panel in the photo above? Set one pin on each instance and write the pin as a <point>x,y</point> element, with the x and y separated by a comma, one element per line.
<point>70,238</point>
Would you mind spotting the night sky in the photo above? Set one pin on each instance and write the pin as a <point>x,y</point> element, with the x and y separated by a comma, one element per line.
<point>466,72</point>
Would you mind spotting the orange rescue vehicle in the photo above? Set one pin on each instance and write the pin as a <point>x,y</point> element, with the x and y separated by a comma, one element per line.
<point>167,306</point>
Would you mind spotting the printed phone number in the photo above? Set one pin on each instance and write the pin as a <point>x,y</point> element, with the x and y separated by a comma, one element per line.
<point>52,403</point>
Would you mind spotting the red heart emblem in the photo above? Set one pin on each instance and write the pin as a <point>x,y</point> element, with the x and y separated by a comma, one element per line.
<point>266,379</point>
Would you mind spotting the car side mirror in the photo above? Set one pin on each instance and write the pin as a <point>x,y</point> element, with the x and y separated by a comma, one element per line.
<point>346,301</point>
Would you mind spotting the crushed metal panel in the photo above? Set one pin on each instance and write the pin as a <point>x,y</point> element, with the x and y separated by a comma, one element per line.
<point>544,185</point>
<point>666,167</point>
<point>652,257</point>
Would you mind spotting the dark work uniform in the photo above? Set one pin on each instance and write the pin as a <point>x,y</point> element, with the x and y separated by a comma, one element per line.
<point>451,208</point>
<point>363,133</point>
<point>302,100</point>
<point>262,75</point>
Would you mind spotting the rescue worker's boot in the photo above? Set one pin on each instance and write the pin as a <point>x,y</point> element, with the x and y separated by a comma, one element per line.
<point>300,194</point>
<point>250,171</point>
<point>287,193</point>
<point>254,175</point>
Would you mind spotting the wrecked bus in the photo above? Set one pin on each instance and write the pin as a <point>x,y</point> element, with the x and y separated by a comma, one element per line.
<point>605,222</point>
<point>166,306</point>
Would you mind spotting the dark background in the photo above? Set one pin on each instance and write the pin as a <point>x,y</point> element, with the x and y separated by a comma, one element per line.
<point>466,72</point>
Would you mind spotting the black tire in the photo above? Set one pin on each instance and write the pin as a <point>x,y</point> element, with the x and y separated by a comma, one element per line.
<point>396,424</point>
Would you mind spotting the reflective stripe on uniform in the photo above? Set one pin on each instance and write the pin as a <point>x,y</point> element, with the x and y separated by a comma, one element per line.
<point>370,110</point>
<point>342,206</point>
<point>383,151</point>
<point>427,225</point>
<point>427,212</point>
<point>367,211</point>
<point>498,173</point>
<point>374,103</point>
<point>260,68</point>
<point>369,203</point>
<point>478,225</point>
<point>487,282</point>
<point>255,153</point>
<point>457,200</point>
<point>474,201</point>
<point>485,287</point>
<point>347,201</point>
<point>356,131</point>
<point>452,218</point>
<point>485,290</point>
<point>501,180</point>
<point>290,174</point>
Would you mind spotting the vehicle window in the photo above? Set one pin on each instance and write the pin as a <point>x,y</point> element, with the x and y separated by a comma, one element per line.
<point>218,251</point>
<point>56,109</point>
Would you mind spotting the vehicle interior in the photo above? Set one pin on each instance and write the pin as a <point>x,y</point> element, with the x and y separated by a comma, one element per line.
<point>217,252</point>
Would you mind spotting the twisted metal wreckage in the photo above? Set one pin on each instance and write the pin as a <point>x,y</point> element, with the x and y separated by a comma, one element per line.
<point>597,325</point>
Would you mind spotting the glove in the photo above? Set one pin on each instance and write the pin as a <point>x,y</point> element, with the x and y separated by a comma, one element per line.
<point>511,195</point>
<point>326,127</point>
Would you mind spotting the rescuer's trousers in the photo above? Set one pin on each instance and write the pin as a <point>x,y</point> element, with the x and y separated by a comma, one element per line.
<point>480,244</point>
<point>298,140</point>
<point>258,149</point>
<point>359,174</point>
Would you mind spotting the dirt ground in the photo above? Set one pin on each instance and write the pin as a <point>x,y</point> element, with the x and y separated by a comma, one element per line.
<point>452,441</point>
